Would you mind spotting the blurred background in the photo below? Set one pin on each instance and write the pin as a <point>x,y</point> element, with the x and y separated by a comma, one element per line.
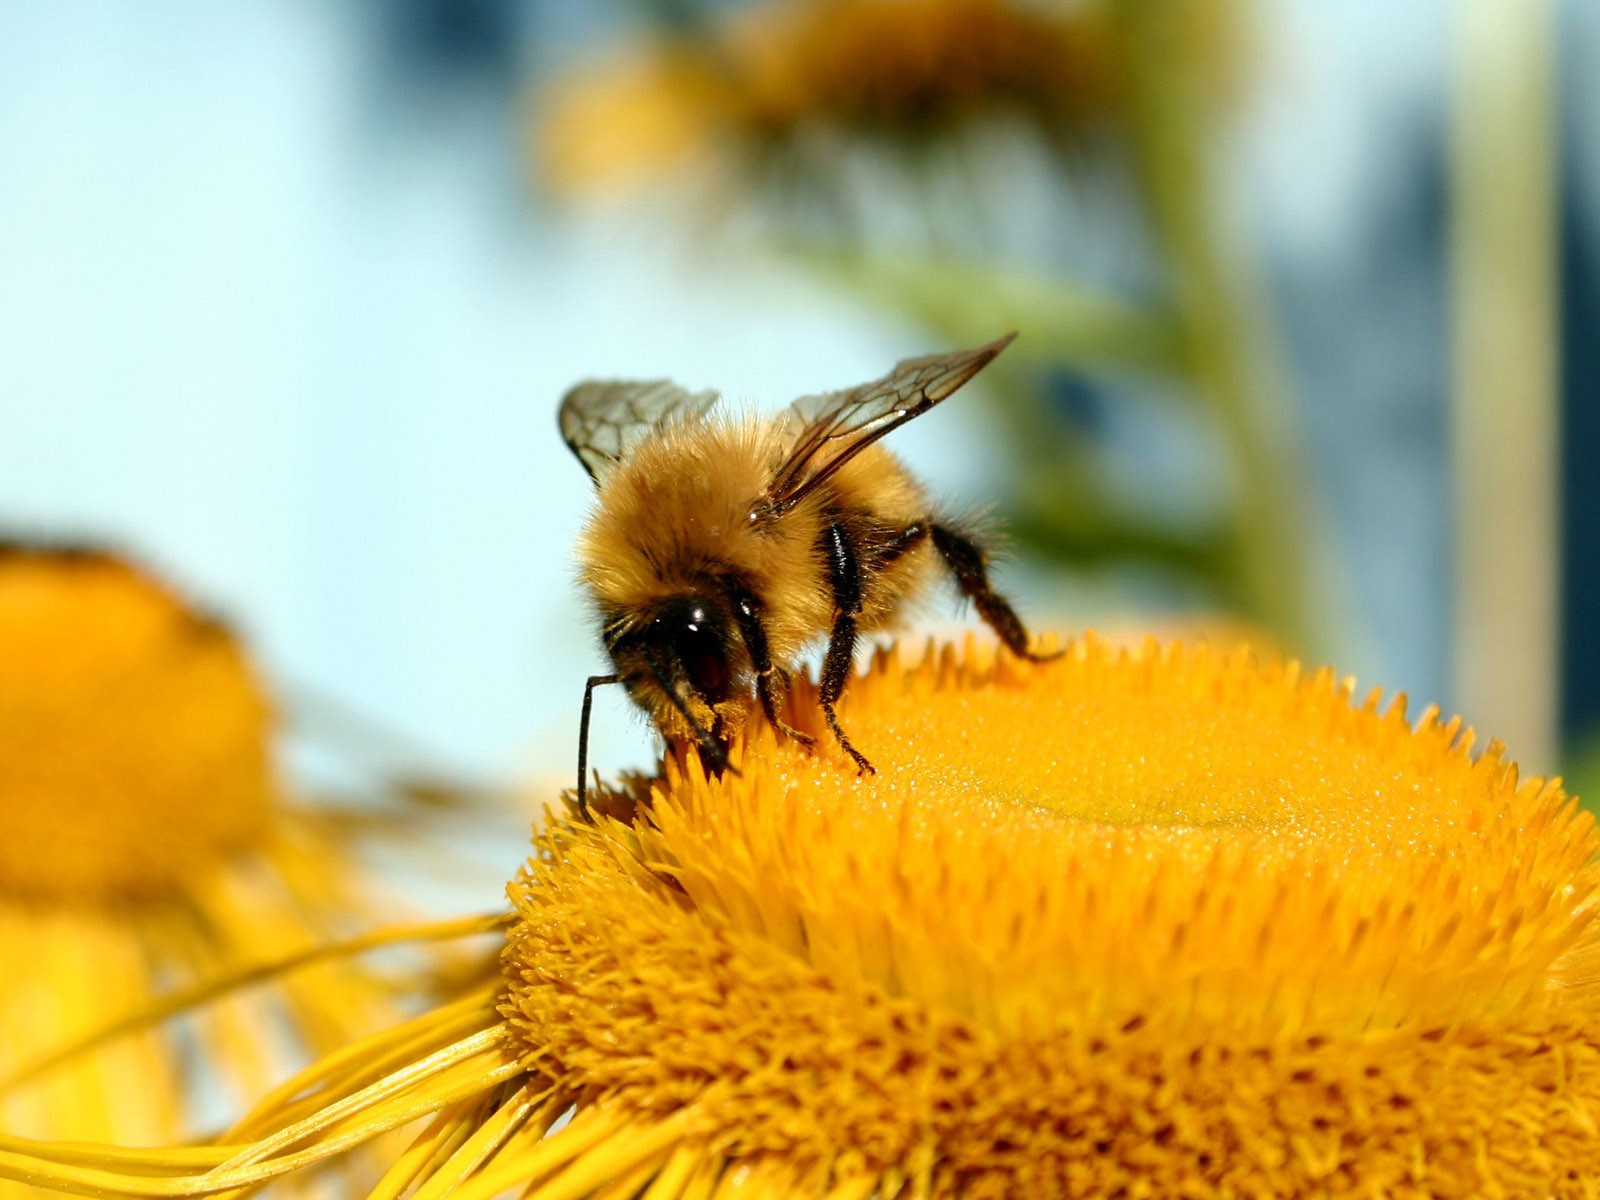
<point>289,292</point>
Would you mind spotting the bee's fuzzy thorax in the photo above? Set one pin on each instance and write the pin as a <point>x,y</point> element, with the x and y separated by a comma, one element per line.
<point>678,508</point>
<point>722,546</point>
<point>673,520</point>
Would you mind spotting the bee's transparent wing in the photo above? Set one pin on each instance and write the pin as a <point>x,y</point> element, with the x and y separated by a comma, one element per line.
<point>836,426</point>
<point>602,419</point>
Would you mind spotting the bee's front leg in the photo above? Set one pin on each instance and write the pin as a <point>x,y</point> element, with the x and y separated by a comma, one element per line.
<point>583,738</point>
<point>747,611</point>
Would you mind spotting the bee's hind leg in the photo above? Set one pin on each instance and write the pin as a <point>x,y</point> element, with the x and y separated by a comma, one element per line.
<point>844,573</point>
<point>968,564</point>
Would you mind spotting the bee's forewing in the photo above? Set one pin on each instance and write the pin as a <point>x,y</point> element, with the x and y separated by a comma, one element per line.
<point>836,426</point>
<point>602,419</point>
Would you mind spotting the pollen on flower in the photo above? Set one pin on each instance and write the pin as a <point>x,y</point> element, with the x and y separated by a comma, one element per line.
<point>1154,921</point>
<point>134,736</point>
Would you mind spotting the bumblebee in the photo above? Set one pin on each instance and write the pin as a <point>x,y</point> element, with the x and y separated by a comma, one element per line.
<point>723,545</point>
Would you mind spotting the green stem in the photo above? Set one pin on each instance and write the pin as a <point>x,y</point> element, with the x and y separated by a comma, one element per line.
<point>1217,309</point>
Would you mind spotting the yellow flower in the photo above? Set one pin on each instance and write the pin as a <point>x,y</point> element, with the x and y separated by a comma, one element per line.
<point>1170,922</point>
<point>146,845</point>
<point>791,68</point>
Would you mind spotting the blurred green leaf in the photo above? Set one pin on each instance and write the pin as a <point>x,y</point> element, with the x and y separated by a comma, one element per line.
<point>685,18</point>
<point>1582,772</point>
<point>1062,322</point>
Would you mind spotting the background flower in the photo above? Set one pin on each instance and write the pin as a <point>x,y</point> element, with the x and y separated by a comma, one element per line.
<point>148,843</point>
<point>804,78</point>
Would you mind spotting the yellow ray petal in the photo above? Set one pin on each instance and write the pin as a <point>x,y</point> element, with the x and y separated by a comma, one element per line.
<point>188,998</point>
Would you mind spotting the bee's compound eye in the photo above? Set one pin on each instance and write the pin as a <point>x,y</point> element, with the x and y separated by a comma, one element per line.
<point>699,649</point>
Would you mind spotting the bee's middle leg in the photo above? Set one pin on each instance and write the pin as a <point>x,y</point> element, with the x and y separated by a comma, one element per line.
<point>747,611</point>
<point>844,574</point>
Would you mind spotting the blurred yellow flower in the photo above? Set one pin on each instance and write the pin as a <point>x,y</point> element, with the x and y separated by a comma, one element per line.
<point>1167,922</point>
<point>146,845</point>
<point>788,68</point>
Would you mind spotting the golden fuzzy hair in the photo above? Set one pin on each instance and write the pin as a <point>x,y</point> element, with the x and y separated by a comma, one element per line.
<point>674,521</point>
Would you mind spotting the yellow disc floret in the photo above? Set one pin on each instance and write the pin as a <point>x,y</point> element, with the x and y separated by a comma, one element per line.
<point>1161,923</point>
<point>133,731</point>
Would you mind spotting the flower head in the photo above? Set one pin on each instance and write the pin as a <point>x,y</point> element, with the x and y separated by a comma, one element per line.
<point>1169,922</point>
<point>789,70</point>
<point>147,844</point>
<point>134,734</point>
<point>1162,920</point>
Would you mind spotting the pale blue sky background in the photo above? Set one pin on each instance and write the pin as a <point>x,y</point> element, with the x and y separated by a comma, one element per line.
<point>298,338</point>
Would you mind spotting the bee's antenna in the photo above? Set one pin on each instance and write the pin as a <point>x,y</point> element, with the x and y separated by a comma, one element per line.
<point>583,737</point>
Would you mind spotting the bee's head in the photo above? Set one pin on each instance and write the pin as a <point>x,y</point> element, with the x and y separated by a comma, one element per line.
<point>684,664</point>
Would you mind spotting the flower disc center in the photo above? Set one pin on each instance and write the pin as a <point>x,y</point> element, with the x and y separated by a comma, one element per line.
<point>134,737</point>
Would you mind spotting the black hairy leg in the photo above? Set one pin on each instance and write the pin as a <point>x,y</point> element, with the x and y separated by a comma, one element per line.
<point>967,563</point>
<point>769,678</point>
<point>583,737</point>
<point>844,575</point>
<point>713,743</point>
